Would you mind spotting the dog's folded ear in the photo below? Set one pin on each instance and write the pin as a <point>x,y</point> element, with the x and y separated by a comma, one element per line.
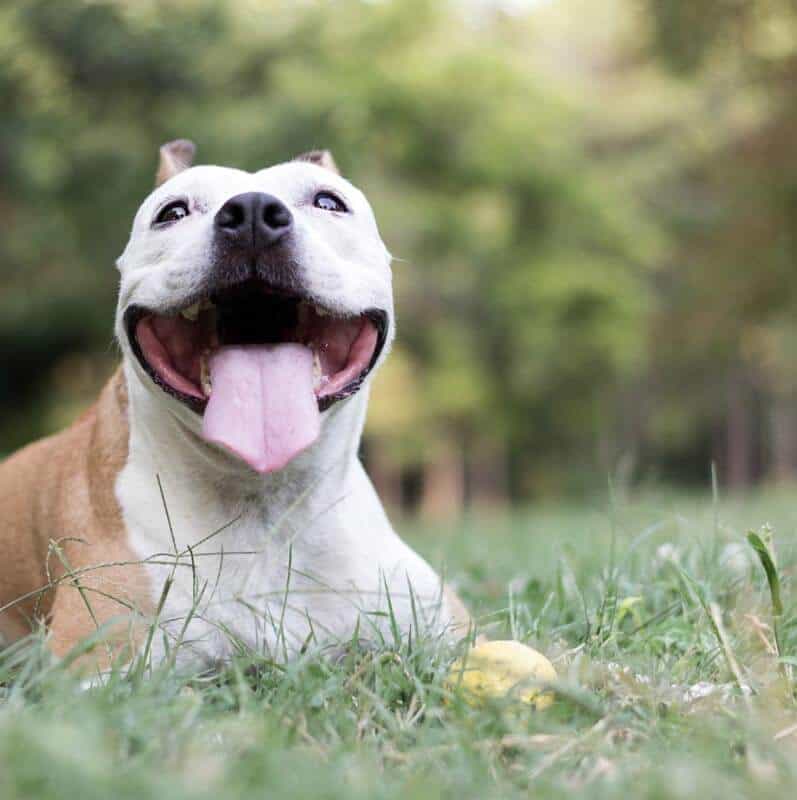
<point>174,157</point>
<point>323,158</point>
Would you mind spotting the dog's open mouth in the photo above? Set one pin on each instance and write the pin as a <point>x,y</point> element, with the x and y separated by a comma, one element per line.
<point>258,363</point>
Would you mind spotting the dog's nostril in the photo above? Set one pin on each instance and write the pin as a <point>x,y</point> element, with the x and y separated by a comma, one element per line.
<point>276,215</point>
<point>231,216</point>
<point>253,219</point>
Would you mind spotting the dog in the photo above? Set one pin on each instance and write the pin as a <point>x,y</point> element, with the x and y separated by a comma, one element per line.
<point>215,488</point>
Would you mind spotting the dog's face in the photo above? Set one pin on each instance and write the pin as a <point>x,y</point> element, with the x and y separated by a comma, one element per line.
<point>256,301</point>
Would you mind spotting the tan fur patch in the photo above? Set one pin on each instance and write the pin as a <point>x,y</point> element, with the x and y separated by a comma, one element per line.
<point>463,622</point>
<point>321,158</point>
<point>64,557</point>
<point>174,158</point>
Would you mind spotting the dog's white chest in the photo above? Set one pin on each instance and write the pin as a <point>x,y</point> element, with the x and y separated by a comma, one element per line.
<point>273,572</point>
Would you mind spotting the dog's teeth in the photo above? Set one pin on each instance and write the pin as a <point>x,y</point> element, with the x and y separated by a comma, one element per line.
<point>322,312</point>
<point>191,313</point>
<point>318,374</point>
<point>204,375</point>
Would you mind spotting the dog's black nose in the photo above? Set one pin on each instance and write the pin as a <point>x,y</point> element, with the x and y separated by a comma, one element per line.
<point>253,220</point>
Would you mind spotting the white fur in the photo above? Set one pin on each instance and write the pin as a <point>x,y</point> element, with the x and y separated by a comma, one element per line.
<point>320,515</point>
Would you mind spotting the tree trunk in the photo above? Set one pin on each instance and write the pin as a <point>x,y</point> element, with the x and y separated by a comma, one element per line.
<point>486,476</point>
<point>739,433</point>
<point>783,437</point>
<point>385,475</point>
<point>444,484</point>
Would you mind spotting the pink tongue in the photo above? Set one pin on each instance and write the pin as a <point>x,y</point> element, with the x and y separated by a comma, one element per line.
<point>262,406</point>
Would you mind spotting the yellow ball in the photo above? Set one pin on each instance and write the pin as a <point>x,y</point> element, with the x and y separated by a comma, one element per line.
<point>504,669</point>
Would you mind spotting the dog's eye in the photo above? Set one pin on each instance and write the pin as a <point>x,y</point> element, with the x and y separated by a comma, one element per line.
<point>327,201</point>
<point>173,212</point>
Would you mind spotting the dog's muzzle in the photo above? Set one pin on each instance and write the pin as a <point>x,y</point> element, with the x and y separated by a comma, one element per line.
<point>254,353</point>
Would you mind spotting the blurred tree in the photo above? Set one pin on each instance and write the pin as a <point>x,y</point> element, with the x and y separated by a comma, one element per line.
<point>521,285</point>
<point>731,205</point>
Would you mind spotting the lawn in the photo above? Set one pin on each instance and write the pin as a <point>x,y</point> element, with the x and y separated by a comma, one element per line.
<point>656,611</point>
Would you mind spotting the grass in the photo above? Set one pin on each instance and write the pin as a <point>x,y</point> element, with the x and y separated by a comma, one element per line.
<point>673,635</point>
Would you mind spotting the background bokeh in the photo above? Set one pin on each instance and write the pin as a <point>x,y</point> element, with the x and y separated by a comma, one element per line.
<point>593,209</point>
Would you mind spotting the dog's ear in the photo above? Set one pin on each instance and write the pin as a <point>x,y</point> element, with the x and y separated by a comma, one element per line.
<point>323,158</point>
<point>174,157</point>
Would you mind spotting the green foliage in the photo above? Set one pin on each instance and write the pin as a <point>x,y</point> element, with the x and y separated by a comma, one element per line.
<point>593,259</point>
<point>516,274</point>
<point>727,201</point>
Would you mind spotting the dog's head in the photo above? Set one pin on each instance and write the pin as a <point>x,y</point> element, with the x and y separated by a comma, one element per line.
<point>255,300</point>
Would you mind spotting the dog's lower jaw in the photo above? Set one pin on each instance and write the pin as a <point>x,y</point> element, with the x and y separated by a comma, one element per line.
<point>171,437</point>
<point>316,527</point>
